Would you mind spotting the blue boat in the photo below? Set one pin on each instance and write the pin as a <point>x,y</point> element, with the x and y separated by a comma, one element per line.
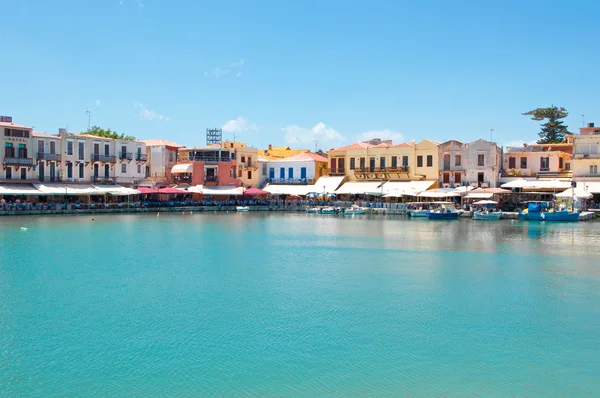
<point>539,211</point>
<point>443,211</point>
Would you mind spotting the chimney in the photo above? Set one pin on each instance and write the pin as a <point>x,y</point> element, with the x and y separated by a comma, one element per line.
<point>62,132</point>
<point>590,124</point>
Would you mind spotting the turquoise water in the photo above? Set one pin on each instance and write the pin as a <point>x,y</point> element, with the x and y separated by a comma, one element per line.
<point>297,305</point>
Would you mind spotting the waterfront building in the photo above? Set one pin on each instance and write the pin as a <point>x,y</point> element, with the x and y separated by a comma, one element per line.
<point>280,152</point>
<point>49,157</point>
<point>426,160</point>
<point>205,165</point>
<point>538,161</point>
<point>17,158</point>
<point>483,164</point>
<point>161,156</point>
<point>303,168</point>
<point>452,164</point>
<point>247,164</point>
<point>131,162</point>
<point>586,153</point>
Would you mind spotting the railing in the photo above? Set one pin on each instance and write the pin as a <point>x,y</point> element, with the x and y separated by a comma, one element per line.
<point>336,172</point>
<point>184,179</point>
<point>18,161</point>
<point>48,156</point>
<point>399,169</point>
<point>125,156</point>
<point>102,180</point>
<point>212,179</point>
<point>586,155</point>
<point>142,157</point>
<point>50,179</point>
<point>210,160</point>
<point>287,180</point>
<point>103,158</point>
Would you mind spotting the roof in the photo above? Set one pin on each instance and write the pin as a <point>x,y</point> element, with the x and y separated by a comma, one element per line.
<point>7,124</point>
<point>368,144</point>
<point>44,135</point>
<point>280,152</point>
<point>96,137</point>
<point>161,142</point>
<point>304,156</point>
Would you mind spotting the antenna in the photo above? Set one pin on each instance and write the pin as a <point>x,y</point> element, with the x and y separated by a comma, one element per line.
<point>582,120</point>
<point>89,115</point>
<point>316,147</point>
<point>491,135</point>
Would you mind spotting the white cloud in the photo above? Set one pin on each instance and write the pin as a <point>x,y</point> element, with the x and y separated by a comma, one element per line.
<point>148,114</point>
<point>320,133</point>
<point>518,143</point>
<point>97,102</point>
<point>238,75</point>
<point>385,134</point>
<point>218,72</point>
<point>239,125</point>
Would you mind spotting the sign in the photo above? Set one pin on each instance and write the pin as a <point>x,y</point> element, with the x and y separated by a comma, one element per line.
<point>6,119</point>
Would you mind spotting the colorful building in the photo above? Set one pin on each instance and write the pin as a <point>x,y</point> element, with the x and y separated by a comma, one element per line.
<point>206,165</point>
<point>586,153</point>
<point>161,157</point>
<point>303,168</point>
<point>247,164</point>
<point>538,160</point>
<point>18,155</point>
<point>280,152</point>
<point>452,160</point>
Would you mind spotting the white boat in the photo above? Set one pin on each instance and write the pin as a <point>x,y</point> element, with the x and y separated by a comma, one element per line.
<point>353,210</point>
<point>417,209</point>
<point>242,208</point>
<point>313,210</point>
<point>418,213</point>
<point>327,210</point>
<point>487,215</point>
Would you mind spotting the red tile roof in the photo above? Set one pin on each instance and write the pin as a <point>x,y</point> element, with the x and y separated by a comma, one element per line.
<point>304,156</point>
<point>367,144</point>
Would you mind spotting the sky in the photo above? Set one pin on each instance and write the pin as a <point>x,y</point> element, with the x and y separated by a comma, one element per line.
<point>304,73</point>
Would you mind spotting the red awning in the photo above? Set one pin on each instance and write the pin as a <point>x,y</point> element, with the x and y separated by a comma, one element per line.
<point>172,191</point>
<point>255,192</point>
<point>147,191</point>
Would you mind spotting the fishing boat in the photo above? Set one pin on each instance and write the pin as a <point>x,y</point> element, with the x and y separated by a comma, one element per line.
<point>327,210</point>
<point>242,208</point>
<point>542,211</point>
<point>353,210</point>
<point>483,210</point>
<point>313,210</point>
<point>418,210</point>
<point>443,211</point>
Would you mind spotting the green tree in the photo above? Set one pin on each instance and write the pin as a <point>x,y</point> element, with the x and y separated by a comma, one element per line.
<point>553,131</point>
<point>108,133</point>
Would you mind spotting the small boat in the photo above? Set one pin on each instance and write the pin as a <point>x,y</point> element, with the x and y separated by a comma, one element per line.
<point>242,208</point>
<point>418,213</point>
<point>417,209</point>
<point>353,210</point>
<point>313,210</point>
<point>443,211</point>
<point>327,210</point>
<point>484,210</point>
<point>541,211</point>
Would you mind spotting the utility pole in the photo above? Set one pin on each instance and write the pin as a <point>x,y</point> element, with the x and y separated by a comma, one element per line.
<point>89,115</point>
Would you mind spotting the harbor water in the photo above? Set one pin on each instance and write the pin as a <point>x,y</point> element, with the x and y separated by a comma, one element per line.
<point>297,305</point>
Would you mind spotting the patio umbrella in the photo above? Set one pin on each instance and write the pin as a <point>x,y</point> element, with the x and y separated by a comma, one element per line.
<point>294,196</point>
<point>256,192</point>
<point>311,195</point>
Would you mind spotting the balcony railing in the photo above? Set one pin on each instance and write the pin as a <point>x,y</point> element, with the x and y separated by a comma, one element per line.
<point>206,160</point>
<point>103,158</point>
<point>587,156</point>
<point>48,156</point>
<point>182,179</point>
<point>287,181</point>
<point>18,161</point>
<point>337,172</point>
<point>399,169</point>
<point>142,157</point>
<point>125,156</point>
<point>102,180</point>
<point>50,179</point>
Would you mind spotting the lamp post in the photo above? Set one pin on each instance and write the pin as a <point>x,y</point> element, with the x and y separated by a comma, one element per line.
<point>573,185</point>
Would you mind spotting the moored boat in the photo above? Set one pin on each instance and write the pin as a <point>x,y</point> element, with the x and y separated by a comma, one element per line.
<point>327,210</point>
<point>541,211</point>
<point>313,210</point>
<point>418,210</point>
<point>443,211</point>
<point>242,208</point>
<point>484,210</point>
<point>353,210</point>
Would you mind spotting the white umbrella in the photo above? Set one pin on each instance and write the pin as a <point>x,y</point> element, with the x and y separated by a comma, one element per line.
<point>485,202</point>
<point>579,193</point>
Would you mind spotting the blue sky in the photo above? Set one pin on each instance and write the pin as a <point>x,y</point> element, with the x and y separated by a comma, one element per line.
<point>298,71</point>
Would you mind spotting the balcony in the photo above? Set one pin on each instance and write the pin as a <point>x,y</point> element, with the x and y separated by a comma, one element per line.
<point>377,172</point>
<point>102,180</point>
<point>18,161</point>
<point>296,181</point>
<point>50,179</point>
<point>206,160</point>
<point>141,157</point>
<point>587,156</point>
<point>125,156</point>
<point>337,172</point>
<point>103,158</point>
<point>182,179</point>
<point>48,156</point>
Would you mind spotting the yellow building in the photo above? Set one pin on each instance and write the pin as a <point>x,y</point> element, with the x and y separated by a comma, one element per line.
<point>247,161</point>
<point>382,160</point>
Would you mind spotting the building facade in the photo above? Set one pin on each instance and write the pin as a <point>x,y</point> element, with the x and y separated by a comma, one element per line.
<point>483,163</point>
<point>538,160</point>
<point>452,164</point>
<point>161,156</point>
<point>247,165</point>
<point>586,152</point>
<point>303,168</point>
<point>208,165</point>
<point>426,160</point>
<point>18,155</point>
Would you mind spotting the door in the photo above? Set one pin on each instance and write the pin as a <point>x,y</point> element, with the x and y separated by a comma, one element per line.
<point>96,152</point>
<point>457,179</point>
<point>303,173</point>
<point>512,162</point>
<point>447,161</point>
<point>106,171</point>
<point>282,173</point>
<point>41,171</point>
<point>271,173</point>
<point>446,178</point>
<point>40,148</point>
<point>106,150</point>
<point>23,173</point>
<point>52,171</point>
<point>96,171</point>
<point>52,148</point>
<point>372,164</point>
<point>291,173</point>
<point>479,177</point>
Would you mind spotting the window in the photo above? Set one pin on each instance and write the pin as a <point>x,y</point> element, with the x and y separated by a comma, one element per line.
<point>23,173</point>
<point>405,161</point>
<point>22,151</point>
<point>420,161</point>
<point>249,174</point>
<point>249,161</point>
<point>124,150</point>
<point>372,164</point>
<point>341,165</point>
<point>362,164</point>
<point>139,169</point>
<point>69,148</point>
<point>333,165</point>
<point>480,177</point>
<point>352,163</point>
<point>394,162</point>
<point>446,161</point>
<point>106,150</point>
<point>9,173</point>
<point>16,133</point>
<point>382,163</point>
<point>523,162</point>
<point>80,150</point>
<point>123,168</point>
<point>561,163</point>
<point>512,162</point>
<point>429,160</point>
<point>69,170</point>
<point>52,148</point>
<point>593,170</point>
<point>9,151</point>
<point>457,160</point>
<point>457,178</point>
<point>544,164</point>
<point>239,173</point>
<point>264,169</point>
<point>567,166</point>
<point>81,170</point>
<point>243,159</point>
<point>231,173</point>
<point>481,159</point>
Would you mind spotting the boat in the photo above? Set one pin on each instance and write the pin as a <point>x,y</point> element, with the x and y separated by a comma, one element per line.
<point>418,210</point>
<point>542,211</point>
<point>327,210</point>
<point>353,210</point>
<point>484,210</point>
<point>313,210</point>
<point>443,211</point>
<point>242,208</point>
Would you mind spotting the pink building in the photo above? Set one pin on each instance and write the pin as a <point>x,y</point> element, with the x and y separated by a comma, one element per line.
<point>208,165</point>
<point>539,160</point>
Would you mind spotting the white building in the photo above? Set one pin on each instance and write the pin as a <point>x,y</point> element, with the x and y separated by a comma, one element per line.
<point>303,168</point>
<point>161,157</point>
<point>483,163</point>
<point>130,168</point>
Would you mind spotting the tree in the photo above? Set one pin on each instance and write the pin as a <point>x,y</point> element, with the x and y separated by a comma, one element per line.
<point>553,130</point>
<point>108,133</point>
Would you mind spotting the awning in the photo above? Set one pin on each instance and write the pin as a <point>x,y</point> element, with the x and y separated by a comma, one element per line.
<point>115,190</point>
<point>19,190</point>
<point>407,188</point>
<point>537,184</point>
<point>437,194</point>
<point>579,193</point>
<point>300,190</point>
<point>67,189</point>
<point>327,184</point>
<point>361,188</point>
<point>479,195</point>
<point>216,190</point>
<point>182,168</point>
<point>591,187</point>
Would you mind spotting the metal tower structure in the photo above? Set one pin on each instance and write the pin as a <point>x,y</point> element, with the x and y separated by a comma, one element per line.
<point>214,136</point>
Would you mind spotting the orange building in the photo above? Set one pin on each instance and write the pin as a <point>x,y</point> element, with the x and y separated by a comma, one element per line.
<point>208,165</point>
